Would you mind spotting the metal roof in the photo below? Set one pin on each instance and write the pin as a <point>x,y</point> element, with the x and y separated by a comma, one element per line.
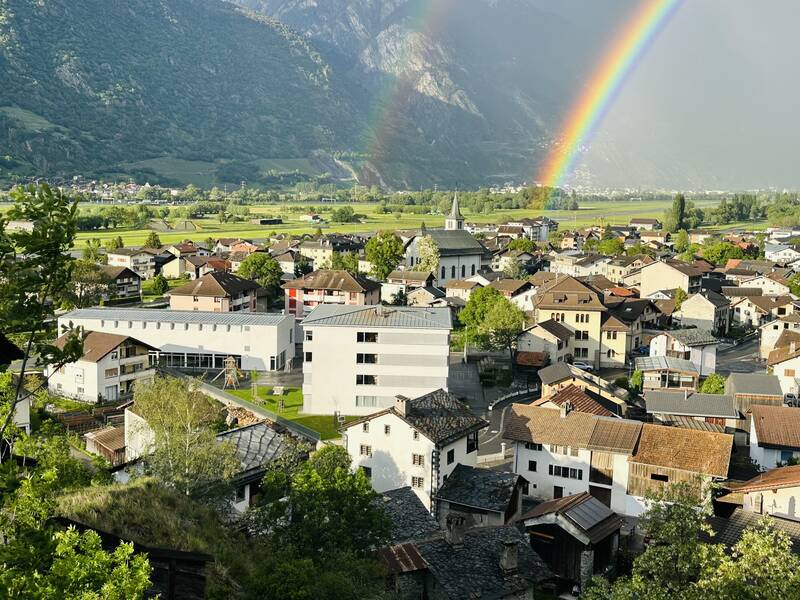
<point>700,405</point>
<point>333,315</point>
<point>153,315</point>
<point>665,363</point>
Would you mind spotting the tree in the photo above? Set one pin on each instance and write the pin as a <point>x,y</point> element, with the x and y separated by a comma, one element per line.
<point>713,384</point>
<point>384,251</point>
<point>345,261</point>
<point>91,251</point>
<point>681,241</point>
<point>160,285</point>
<point>680,296</point>
<point>678,214</point>
<point>514,269</point>
<point>303,266</point>
<point>522,244</point>
<point>428,255</point>
<point>400,298</point>
<point>115,243</point>
<point>263,269</point>
<point>35,270</point>
<point>720,252</point>
<point>89,285</point>
<point>185,452</point>
<point>636,381</point>
<point>504,322</point>
<point>611,247</point>
<point>152,241</point>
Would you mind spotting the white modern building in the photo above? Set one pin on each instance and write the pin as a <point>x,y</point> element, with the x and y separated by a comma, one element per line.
<point>415,443</point>
<point>696,345</point>
<point>357,359</point>
<point>109,369</point>
<point>197,340</point>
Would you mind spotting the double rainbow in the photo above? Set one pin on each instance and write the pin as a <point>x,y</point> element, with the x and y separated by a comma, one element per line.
<point>607,80</point>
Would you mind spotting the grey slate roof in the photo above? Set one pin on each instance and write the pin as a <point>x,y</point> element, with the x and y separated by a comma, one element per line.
<point>255,444</point>
<point>473,570</point>
<point>664,363</point>
<point>442,417</point>
<point>755,383</point>
<point>456,242</point>
<point>334,315</point>
<point>693,337</point>
<point>479,488</point>
<point>152,315</point>
<point>555,373</point>
<point>410,519</point>
<point>700,405</point>
<point>729,531</point>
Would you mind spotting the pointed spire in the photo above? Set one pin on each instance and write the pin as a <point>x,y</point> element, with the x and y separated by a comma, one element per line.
<point>455,213</point>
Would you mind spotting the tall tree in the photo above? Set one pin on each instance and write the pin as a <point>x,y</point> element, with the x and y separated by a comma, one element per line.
<point>91,251</point>
<point>504,322</point>
<point>384,251</point>
<point>152,241</point>
<point>89,285</point>
<point>302,266</point>
<point>678,220</point>
<point>263,269</point>
<point>115,243</point>
<point>429,256</point>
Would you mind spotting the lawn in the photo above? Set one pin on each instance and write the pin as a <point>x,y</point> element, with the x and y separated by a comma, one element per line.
<point>613,212</point>
<point>293,405</point>
<point>147,288</point>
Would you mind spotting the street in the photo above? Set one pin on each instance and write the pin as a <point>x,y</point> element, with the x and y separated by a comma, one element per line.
<point>740,359</point>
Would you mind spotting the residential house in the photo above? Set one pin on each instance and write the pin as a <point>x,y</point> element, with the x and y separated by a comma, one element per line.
<point>696,345</point>
<point>405,282</point>
<point>577,536</point>
<point>426,297</point>
<point>705,310</point>
<point>358,359</point>
<point>513,232</point>
<point>482,497</point>
<point>193,267</point>
<point>141,261</point>
<point>197,341</point>
<point>776,493</point>
<point>779,333</point>
<point>216,292</point>
<point>461,288</point>
<point>618,461</point>
<point>416,442</point>
<point>109,369</point>
<point>187,248</point>
<point>667,372</point>
<point>125,283</point>
<point>559,376</point>
<point>784,363</point>
<point>505,259</point>
<point>518,291</point>
<point>579,265</point>
<point>699,236</point>
<point>781,253</point>
<point>645,224</point>
<point>755,311</point>
<point>752,389</point>
<point>654,237</point>
<point>771,284</point>
<point>581,399</point>
<point>667,275</point>
<point>326,286</point>
<point>537,229</point>
<point>621,267</point>
<point>774,435</point>
<point>572,240</point>
<point>549,337</point>
<point>706,412</point>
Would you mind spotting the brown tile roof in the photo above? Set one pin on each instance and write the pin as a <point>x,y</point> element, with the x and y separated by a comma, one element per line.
<point>539,278</point>
<point>787,346</point>
<point>117,272</point>
<point>555,328</point>
<point>684,449</point>
<point>768,303</point>
<point>215,285</point>
<point>621,292</point>
<point>580,400</point>
<point>97,344</point>
<point>776,425</point>
<point>682,267</point>
<point>615,435</point>
<point>329,279</point>
<point>511,286</point>
<point>774,479</point>
<point>531,359</point>
<point>612,323</point>
<point>402,558</point>
<point>566,291</point>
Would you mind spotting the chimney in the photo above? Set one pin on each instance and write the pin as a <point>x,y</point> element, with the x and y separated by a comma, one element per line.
<point>379,310</point>
<point>455,531</point>
<point>566,408</point>
<point>509,560</point>
<point>401,405</point>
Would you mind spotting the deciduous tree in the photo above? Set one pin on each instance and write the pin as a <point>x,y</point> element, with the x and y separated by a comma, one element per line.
<point>428,253</point>
<point>384,251</point>
<point>153,240</point>
<point>263,269</point>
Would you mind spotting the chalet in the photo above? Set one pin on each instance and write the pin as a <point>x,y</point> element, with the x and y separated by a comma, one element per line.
<point>216,292</point>
<point>124,283</point>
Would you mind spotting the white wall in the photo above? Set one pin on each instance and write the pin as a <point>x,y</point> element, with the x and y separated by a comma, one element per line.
<point>411,362</point>
<point>783,502</point>
<point>139,438</point>
<point>766,458</point>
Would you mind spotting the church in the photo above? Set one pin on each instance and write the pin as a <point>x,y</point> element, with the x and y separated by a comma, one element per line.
<point>460,254</point>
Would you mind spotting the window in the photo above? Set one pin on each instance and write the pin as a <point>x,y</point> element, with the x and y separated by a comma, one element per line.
<point>366,380</point>
<point>472,442</point>
<point>365,427</point>
<point>387,429</point>
<point>451,456</point>
<point>369,337</point>
<point>111,373</point>
<point>114,355</point>
<point>417,482</point>
<point>309,356</point>
<point>658,477</point>
<point>444,273</point>
<point>309,335</point>
<point>247,348</point>
<point>532,465</point>
<point>788,372</point>
<point>473,269</point>
<point>365,450</point>
<point>533,446</point>
<point>240,493</point>
<point>565,472</point>
<point>368,359</point>
<point>581,335</point>
<point>573,451</point>
<point>367,472</point>
<point>611,353</point>
<point>611,335</point>
<point>367,401</point>
<point>418,460</point>
<point>453,272</point>
<point>416,435</point>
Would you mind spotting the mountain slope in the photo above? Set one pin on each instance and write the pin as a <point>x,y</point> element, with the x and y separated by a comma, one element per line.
<point>97,83</point>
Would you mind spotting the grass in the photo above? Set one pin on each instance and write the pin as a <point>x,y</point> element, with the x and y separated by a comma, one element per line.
<point>147,288</point>
<point>198,172</point>
<point>27,119</point>
<point>293,405</point>
<point>610,212</point>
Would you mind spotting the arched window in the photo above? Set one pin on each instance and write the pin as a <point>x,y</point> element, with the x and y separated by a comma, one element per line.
<point>562,318</point>
<point>473,269</point>
<point>463,270</point>
<point>444,273</point>
<point>453,272</point>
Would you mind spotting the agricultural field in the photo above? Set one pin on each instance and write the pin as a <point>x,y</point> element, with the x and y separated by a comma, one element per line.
<point>610,212</point>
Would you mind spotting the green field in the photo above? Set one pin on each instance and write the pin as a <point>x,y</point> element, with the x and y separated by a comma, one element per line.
<point>611,212</point>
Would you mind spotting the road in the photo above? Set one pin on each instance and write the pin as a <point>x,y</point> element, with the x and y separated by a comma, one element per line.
<point>740,359</point>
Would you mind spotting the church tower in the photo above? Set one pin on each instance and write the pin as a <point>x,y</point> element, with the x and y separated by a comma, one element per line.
<point>454,220</point>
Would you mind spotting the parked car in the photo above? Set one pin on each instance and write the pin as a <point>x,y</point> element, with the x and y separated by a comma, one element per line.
<point>583,365</point>
<point>791,400</point>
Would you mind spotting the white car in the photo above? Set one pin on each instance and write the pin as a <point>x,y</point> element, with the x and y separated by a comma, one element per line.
<point>583,365</point>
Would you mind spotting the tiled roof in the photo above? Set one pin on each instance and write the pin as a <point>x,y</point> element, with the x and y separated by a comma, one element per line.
<point>665,363</point>
<point>409,517</point>
<point>768,303</point>
<point>97,344</point>
<point>584,512</point>
<point>539,278</point>
<point>117,272</point>
<point>615,435</point>
<point>555,373</point>
<point>786,346</point>
<point>153,315</point>
<point>777,425</point>
<point>419,276</point>
<point>511,286</point>
<point>684,449</point>
<point>580,400</point>
<point>729,531</point>
<point>256,445</point>
<point>733,291</point>
<point>555,328</point>
<point>681,267</point>
<point>330,279</point>
<point>380,316</point>
<point>690,423</point>
<point>479,488</point>
<point>531,359</point>
<point>461,284</point>
<point>473,570</point>
<point>774,479</point>
<point>693,336</point>
<point>755,384</point>
<point>215,285</point>
<point>401,558</point>
<point>691,404</point>
<point>566,291</point>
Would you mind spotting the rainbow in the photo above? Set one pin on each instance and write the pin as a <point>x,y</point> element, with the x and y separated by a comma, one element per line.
<point>609,76</point>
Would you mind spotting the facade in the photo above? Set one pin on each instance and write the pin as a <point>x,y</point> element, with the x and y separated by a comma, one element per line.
<point>198,341</point>
<point>359,359</point>
<point>564,452</point>
<point>784,363</point>
<point>667,372</point>
<point>303,294</point>
<point>216,292</point>
<point>415,442</point>
<point>108,371</point>
<point>779,334</point>
<point>645,224</point>
<point>776,493</point>
<point>774,435</point>
<point>781,253</point>
<point>752,389</point>
<point>140,261</point>
<point>696,345</point>
<point>668,275</point>
<point>550,337</point>
<point>125,283</point>
<point>706,310</point>
<point>482,497</point>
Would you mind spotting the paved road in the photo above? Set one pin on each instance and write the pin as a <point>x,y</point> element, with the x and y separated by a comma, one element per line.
<point>740,359</point>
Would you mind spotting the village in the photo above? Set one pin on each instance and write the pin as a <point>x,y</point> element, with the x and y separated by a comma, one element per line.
<point>515,394</point>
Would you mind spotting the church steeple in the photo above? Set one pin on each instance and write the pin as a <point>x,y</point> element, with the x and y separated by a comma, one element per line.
<point>454,220</point>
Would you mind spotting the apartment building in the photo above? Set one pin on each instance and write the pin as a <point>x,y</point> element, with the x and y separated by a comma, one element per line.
<point>415,442</point>
<point>109,369</point>
<point>216,292</point>
<point>197,341</point>
<point>357,359</point>
<point>327,286</point>
<point>669,275</point>
<point>141,261</point>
